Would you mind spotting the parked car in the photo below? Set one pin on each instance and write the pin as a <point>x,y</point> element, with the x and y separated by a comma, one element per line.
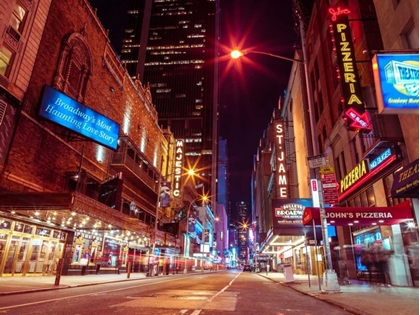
<point>247,268</point>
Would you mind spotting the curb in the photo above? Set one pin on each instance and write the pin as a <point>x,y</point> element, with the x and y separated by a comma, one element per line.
<point>59,287</point>
<point>319,296</point>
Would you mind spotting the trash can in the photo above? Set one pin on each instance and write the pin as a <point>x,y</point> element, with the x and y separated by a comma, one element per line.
<point>288,273</point>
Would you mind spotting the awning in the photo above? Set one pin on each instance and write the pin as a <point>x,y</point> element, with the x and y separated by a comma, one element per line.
<point>360,216</point>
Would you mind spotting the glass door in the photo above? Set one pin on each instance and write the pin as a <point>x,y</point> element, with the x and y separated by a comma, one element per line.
<point>16,255</point>
<point>54,255</point>
<point>38,253</point>
<point>3,243</point>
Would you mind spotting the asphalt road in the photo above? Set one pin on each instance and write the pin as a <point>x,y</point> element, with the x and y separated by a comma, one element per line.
<point>219,293</point>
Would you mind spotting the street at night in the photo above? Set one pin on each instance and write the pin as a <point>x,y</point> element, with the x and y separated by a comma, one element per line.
<point>209,157</point>
<point>209,293</point>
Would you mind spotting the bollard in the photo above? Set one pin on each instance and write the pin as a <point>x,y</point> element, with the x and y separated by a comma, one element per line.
<point>128,270</point>
<point>58,271</point>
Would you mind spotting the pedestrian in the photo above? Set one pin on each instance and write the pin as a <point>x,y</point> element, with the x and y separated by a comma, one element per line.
<point>380,258</point>
<point>84,261</point>
<point>98,261</point>
<point>367,260</point>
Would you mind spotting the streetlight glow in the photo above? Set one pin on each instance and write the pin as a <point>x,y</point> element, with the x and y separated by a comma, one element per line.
<point>235,54</point>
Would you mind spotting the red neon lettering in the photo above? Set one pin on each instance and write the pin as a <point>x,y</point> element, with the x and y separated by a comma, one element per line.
<point>339,11</point>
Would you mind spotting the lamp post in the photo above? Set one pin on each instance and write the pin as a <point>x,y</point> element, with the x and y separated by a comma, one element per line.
<point>187,237</point>
<point>330,278</point>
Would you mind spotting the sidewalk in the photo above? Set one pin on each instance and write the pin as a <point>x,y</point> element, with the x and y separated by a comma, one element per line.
<point>358,297</point>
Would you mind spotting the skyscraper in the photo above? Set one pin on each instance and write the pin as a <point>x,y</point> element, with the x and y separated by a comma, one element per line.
<point>172,47</point>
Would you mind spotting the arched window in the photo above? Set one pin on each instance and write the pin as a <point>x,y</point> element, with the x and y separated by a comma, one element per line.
<point>74,68</point>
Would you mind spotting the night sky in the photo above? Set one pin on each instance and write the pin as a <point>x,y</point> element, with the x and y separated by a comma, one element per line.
<point>249,87</point>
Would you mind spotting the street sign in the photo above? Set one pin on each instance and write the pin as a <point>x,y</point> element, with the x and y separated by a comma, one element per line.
<point>317,161</point>
<point>329,185</point>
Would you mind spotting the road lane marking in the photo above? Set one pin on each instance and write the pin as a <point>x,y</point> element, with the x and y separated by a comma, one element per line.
<point>224,289</point>
<point>196,312</point>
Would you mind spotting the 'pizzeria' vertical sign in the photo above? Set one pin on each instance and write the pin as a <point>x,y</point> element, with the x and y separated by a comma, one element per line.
<point>354,109</point>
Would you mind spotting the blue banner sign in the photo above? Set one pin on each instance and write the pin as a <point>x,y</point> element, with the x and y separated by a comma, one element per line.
<point>65,111</point>
<point>397,82</point>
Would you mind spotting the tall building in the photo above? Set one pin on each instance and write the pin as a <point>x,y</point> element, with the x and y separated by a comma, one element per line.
<point>172,48</point>
<point>222,177</point>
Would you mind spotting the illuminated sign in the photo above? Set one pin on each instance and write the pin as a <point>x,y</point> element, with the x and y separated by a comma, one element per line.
<point>406,181</point>
<point>179,162</point>
<point>280,161</point>
<point>396,82</point>
<point>380,159</point>
<point>315,192</point>
<point>353,176</point>
<point>349,78</point>
<point>289,210</point>
<point>335,13</point>
<point>65,111</point>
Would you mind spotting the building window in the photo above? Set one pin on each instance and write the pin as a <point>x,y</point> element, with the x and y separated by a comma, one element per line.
<point>320,102</point>
<point>75,67</point>
<point>320,146</point>
<point>324,133</point>
<point>6,59</point>
<point>354,149</point>
<point>17,19</point>
<point>340,166</point>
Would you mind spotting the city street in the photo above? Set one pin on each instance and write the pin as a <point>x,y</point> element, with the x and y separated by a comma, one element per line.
<point>207,293</point>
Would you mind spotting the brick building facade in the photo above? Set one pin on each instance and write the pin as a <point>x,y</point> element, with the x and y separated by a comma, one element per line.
<point>74,195</point>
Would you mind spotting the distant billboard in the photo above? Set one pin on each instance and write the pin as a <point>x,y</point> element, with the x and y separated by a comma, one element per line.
<point>396,82</point>
<point>65,111</point>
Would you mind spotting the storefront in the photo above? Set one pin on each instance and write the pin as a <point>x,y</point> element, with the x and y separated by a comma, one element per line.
<point>39,229</point>
<point>376,226</point>
<point>29,249</point>
<point>285,243</point>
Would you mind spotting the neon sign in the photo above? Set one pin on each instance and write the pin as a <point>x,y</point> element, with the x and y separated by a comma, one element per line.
<point>335,13</point>
<point>179,162</point>
<point>353,176</point>
<point>380,159</point>
<point>281,162</point>
<point>349,78</point>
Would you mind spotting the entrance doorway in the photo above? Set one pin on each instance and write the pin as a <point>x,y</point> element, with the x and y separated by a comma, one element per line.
<point>31,256</point>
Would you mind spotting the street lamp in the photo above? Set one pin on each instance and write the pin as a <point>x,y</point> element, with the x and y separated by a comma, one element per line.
<point>187,237</point>
<point>330,277</point>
